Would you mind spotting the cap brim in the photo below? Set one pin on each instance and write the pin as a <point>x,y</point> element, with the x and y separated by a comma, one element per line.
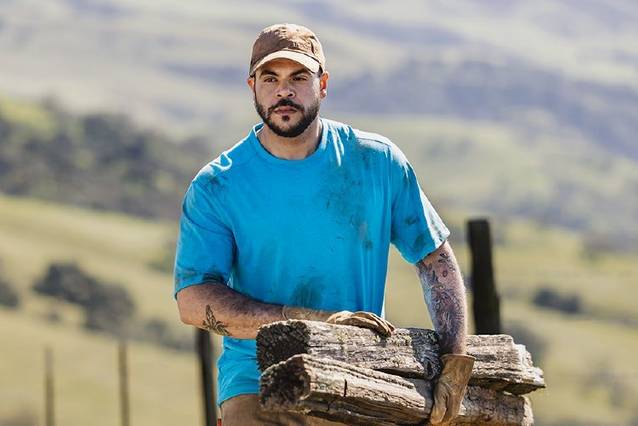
<point>300,58</point>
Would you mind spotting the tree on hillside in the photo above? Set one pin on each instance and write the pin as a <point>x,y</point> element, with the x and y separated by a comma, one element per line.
<point>98,160</point>
<point>66,281</point>
<point>107,307</point>
<point>548,298</point>
<point>8,295</point>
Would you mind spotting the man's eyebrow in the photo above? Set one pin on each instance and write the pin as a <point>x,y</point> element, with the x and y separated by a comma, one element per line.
<point>300,71</point>
<point>270,72</point>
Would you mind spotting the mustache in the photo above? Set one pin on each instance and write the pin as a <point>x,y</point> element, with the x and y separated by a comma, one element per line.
<point>285,103</point>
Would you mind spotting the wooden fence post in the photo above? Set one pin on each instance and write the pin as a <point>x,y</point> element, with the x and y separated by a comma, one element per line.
<point>205,356</point>
<point>49,413</point>
<point>487,317</point>
<point>124,394</point>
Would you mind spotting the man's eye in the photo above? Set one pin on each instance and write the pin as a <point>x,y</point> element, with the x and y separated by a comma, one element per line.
<point>300,78</point>
<point>269,79</point>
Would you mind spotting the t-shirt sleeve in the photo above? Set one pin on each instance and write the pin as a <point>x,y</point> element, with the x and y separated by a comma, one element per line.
<point>416,229</point>
<point>205,246</point>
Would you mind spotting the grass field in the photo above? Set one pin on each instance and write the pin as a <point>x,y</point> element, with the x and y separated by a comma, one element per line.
<point>589,363</point>
<point>86,381</point>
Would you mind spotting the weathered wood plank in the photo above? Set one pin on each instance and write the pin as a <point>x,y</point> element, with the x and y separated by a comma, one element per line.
<point>342,392</point>
<point>503,365</point>
<point>409,352</point>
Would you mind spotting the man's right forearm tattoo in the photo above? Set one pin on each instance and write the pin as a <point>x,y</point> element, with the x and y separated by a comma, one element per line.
<point>445,297</point>
<point>212,324</point>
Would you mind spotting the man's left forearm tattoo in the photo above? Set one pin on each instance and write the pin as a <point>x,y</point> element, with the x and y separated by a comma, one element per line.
<point>445,297</point>
<point>212,324</point>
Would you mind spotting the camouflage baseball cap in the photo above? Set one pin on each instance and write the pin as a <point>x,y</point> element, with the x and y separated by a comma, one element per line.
<point>289,41</point>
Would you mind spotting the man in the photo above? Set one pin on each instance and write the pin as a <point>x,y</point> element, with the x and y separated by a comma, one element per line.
<point>295,222</point>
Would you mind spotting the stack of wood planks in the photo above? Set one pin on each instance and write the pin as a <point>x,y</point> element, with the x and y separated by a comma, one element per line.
<point>354,376</point>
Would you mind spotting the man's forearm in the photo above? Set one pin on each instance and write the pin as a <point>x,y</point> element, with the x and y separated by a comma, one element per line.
<point>222,310</point>
<point>444,293</point>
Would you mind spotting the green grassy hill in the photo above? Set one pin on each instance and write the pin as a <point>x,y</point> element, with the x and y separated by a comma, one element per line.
<point>587,357</point>
<point>475,166</point>
<point>163,384</point>
<point>97,160</point>
<point>183,66</point>
<point>112,247</point>
<point>534,104</point>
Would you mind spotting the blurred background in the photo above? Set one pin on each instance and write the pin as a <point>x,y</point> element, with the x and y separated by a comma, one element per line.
<point>523,112</point>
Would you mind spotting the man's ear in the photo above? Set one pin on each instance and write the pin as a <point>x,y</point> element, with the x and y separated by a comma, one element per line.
<point>323,84</point>
<point>251,82</point>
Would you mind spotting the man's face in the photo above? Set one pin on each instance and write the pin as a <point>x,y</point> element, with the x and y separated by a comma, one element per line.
<point>287,96</point>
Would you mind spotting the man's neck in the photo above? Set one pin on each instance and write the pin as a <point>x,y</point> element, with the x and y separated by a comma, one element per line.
<point>296,148</point>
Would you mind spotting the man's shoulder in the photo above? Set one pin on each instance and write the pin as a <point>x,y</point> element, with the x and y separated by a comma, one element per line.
<point>360,137</point>
<point>226,164</point>
<point>370,142</point>
<point>373,139</point>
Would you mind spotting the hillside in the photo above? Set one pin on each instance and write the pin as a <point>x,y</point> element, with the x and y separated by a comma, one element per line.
<point>119,249</point>
<point>95,160</point>
<point>114,248</point>
<point>506,108</point>
<point>106,162</point>
<point>174,65</point>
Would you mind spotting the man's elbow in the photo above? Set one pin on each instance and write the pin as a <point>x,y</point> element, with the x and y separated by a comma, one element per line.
<point>185,318</point>
<point>184,306</point>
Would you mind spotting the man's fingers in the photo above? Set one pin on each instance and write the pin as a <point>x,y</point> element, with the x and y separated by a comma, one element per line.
<point>367,322</point>
<point>450,386</point>
<point>383,326</point>
<point>377,324</point>
<point>363,319</point>
<point>453,407</point>
<point>360,322</point>
<point>439,408</point>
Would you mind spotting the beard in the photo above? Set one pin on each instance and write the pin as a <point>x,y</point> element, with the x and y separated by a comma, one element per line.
<point>308,115</point>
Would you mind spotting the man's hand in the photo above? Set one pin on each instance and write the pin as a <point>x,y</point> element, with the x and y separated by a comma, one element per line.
<point>358,319</point>
<point>450,387</point>
<point>362,319</point>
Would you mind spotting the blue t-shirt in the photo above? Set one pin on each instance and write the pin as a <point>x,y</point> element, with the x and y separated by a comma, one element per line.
<point>313,232</point>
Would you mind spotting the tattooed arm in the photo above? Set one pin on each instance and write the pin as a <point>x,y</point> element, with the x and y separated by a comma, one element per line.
<point>444,293</point>
<point>222,310</point>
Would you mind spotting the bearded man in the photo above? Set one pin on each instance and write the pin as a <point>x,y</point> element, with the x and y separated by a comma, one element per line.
<point>295,222</point>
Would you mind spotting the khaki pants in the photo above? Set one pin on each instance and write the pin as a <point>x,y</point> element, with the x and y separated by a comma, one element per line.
<point>244,410</point>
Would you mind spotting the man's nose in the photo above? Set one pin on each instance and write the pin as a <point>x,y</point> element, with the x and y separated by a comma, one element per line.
<point>285,91</point>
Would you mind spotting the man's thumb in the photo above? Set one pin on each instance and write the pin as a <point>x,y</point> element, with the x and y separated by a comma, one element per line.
<point>438,410</point>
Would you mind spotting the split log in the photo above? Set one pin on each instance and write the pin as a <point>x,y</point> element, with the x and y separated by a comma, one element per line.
<point>341,392</point>
<point>408,352</point>
<point>503,365</point>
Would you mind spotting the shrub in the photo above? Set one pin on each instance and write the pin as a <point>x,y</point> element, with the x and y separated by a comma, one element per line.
<point>159,332</point>
<point>550,299</point>
<point>8,295</point>
<point>107,307</point>
<point>111,310</point>
<point>66,281</point>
